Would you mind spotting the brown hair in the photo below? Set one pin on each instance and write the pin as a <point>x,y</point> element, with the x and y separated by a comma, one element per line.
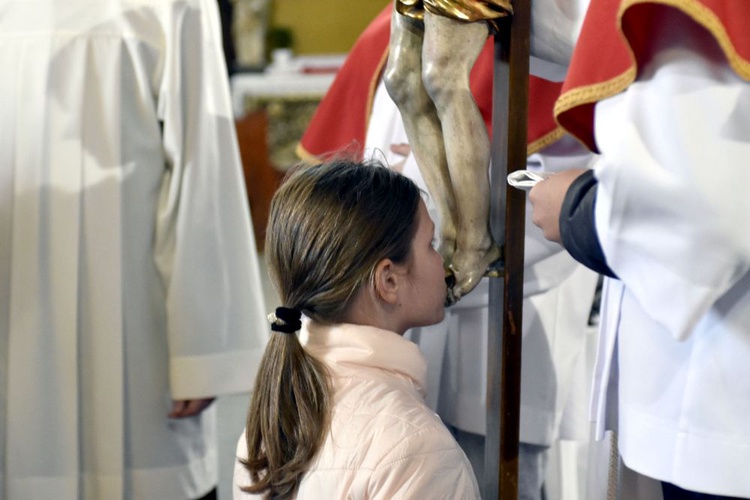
<point>330,225</point>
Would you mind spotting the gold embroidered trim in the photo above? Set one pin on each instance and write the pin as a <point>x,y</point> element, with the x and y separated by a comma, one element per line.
<point>545,140</point>
<point>595,92</point>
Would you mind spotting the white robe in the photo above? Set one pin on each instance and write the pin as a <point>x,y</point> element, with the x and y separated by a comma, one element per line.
<point>672,216</point>
<point>128,271</point>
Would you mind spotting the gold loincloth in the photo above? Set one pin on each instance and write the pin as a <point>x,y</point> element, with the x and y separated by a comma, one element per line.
<point>460,10</point>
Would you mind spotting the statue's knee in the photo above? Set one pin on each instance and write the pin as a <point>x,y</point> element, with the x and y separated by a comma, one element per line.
<point>435,82</point>
<point>395,85</point>
<point>443,84</point>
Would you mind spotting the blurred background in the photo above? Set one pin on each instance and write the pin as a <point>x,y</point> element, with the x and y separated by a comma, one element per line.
<point>254,28</point>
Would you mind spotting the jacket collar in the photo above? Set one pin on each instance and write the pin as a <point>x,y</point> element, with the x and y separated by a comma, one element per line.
<point>347,344</point>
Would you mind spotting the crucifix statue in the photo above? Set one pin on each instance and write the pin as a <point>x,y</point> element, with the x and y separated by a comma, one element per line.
<point>433,46</point>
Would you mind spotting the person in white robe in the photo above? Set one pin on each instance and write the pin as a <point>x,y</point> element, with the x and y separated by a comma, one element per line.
<point>668,209</point>
<point>129,280</point>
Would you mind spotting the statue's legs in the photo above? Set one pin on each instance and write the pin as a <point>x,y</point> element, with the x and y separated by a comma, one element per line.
<point>403,80</point>
<point>449,52</point>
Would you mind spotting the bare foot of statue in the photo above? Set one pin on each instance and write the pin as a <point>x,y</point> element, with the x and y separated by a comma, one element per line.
<point>468,267</point>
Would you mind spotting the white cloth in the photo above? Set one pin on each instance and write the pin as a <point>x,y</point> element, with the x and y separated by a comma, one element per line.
<point>384,442</point>
<point>672,216</point>
<point>128,271</point>
<point>555,25</point>
<point>558,295</point>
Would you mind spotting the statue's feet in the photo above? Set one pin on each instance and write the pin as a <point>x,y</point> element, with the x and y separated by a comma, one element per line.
<point>469,267</point>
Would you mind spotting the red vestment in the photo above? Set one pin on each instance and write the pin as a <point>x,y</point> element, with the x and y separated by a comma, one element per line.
<point>614,40</point>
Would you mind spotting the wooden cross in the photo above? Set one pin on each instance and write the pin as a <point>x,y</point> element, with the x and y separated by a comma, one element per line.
<point>507,220</point>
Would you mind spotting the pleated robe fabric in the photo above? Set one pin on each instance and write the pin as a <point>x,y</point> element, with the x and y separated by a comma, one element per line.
<point>128,271</point>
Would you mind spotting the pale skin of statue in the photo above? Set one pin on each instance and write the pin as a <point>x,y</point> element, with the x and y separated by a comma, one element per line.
<point>427,76</point>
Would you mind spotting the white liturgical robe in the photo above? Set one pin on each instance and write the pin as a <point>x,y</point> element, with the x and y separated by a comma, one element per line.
<point>672,217</point>
<point>128,272</point>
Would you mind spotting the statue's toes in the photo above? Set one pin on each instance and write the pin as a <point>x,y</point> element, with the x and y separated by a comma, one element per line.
<point>467,274</point>
<point>466,282</point>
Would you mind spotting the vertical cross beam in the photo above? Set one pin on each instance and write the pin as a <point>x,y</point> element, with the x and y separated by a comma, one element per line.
<point>507,220</point>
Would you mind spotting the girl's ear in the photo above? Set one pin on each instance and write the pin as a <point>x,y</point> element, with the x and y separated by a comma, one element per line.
<point>386,281</point>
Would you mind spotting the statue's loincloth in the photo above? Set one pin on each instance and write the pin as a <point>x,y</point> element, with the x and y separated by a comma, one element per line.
<point>460,10</point>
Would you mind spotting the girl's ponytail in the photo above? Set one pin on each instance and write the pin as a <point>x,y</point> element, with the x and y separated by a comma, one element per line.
<point>291,407</point>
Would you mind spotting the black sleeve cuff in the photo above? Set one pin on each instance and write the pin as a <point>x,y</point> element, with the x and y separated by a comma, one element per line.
<point>577,227</point>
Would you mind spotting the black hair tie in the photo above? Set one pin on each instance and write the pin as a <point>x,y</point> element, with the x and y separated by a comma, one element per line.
<point>285,320</point>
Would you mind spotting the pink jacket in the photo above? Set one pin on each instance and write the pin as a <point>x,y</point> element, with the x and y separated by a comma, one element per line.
<point>384,441</point>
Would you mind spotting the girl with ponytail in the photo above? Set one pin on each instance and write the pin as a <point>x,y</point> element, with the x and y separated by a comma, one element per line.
<point>341,414</point>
